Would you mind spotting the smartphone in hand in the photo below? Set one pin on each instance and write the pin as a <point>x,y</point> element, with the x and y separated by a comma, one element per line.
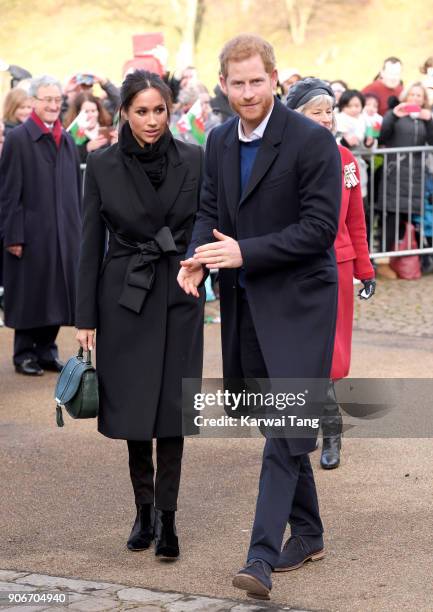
<point>412,108</point>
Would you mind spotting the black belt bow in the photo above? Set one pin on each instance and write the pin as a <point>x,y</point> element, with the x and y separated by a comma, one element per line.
<point>140,274</point>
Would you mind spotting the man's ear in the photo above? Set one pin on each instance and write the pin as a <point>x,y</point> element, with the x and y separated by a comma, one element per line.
<point>274,79</point>
<point>223,84</point>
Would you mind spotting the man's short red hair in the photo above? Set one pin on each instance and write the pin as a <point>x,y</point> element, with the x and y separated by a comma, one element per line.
<point>243,47</point>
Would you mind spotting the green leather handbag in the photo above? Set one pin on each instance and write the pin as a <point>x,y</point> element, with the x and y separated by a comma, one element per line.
<point>77,389</point>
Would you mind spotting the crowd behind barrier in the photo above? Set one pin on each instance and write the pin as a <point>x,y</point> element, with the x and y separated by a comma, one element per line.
<point>385,171</point>
<point>393,148</point>
<point>378,162</point>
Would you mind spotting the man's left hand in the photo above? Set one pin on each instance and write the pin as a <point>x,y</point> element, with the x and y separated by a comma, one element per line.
<point>225,253</point>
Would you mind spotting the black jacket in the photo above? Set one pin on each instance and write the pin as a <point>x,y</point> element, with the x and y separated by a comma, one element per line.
<point>143,348</point>
<point>403,132</point>
<point>220,105</point>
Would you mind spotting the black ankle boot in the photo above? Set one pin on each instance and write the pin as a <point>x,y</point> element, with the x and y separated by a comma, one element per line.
<point>166,542</point>
<point>142,530</point>
<point>330,457</point>
<point>332,426</point>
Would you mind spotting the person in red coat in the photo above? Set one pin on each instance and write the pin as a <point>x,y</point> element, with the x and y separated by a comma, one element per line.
<point>387,84</point>
<point>315,99</point>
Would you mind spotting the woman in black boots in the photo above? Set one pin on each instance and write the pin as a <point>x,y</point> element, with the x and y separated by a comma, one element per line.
<point>142,194</point>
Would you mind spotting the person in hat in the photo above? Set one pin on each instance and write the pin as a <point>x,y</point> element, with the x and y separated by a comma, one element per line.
<point>315,99</point>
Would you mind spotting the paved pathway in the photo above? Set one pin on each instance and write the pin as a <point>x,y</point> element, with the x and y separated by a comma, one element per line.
<point>399,307</point>
<point>27,589</point>
<point>66,503</point>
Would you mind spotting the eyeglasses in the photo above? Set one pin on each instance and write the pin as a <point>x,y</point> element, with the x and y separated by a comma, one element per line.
<point>50,99</point>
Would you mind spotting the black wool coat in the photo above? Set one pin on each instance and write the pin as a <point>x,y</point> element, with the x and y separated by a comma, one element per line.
<point>404,190</point>
<point>143,348</point>
<point>40,208</point>
<point>285,222</point>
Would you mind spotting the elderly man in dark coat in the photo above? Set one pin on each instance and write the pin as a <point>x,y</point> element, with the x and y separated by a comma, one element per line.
<point>268,220</point>
<point>40,222</point>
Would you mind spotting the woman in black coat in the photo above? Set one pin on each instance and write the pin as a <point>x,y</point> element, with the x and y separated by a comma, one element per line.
<point>143,192</point>
<point>409,124</point>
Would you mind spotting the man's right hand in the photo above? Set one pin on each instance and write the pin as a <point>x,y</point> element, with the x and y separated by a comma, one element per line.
<point>86,339</point>
<point>16,250</point>
<point>190,276</point>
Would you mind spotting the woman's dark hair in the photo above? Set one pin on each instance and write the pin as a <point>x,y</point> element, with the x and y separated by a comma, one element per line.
<point>347,96</point>
<point>104,117</point>
<point>139,81</point>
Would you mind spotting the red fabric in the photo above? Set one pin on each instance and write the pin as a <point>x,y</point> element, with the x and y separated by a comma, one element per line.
<point>353,260</point>
<point>407,267</point>
<point>379,89</point>
<point>56,132</point>
<point>351,241</point>
<point>343,332</point>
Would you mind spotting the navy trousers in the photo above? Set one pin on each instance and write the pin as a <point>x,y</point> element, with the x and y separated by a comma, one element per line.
<point>38,344</point>
<point>287,491</point>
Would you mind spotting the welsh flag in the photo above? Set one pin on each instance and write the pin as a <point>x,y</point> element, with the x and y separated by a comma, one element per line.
<point>77,129</point>
<point>373,129</point>
<point>192,122</point>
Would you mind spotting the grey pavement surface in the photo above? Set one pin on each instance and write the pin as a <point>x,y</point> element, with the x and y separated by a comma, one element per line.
<point>400,307</point>
<point>29,591</point>
<point>67,506</point>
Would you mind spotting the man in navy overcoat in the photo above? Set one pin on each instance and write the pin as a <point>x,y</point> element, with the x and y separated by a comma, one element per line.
<point>268,220</point>
<point>40,223</point>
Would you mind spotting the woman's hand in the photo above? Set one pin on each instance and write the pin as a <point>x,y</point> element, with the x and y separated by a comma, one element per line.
<point>190,276</point>
<point>369,289</point>
<point>400,110</point>
<point>425,114</point>
<point>97,143</point>
<point>114,136</point>
<point>86,339</point>
<point>16,250</point>
<point>351,140</point>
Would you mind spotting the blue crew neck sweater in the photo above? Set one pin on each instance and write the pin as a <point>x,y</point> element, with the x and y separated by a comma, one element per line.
<point>248,157</point>
<point>248,152</point>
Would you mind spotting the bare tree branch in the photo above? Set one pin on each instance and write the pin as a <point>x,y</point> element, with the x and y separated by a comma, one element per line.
<point>299,14</point>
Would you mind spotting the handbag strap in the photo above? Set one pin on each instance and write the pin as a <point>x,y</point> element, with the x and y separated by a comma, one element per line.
<point>80,355</point>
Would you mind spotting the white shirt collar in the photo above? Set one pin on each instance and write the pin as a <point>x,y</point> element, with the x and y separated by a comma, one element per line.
<point>257,132</point>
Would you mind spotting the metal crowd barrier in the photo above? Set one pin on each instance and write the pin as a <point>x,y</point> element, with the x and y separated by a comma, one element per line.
<point>376,203</point>
<point>399,168</point>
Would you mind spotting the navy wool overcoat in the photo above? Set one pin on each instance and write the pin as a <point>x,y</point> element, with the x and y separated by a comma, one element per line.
<point>40,208</point>
<point>285,221</point>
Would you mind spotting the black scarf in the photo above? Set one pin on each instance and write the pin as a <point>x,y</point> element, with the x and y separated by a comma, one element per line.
<point>152,157</point>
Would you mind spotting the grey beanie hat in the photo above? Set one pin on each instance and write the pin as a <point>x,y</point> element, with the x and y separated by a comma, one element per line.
<point>303,91</point>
